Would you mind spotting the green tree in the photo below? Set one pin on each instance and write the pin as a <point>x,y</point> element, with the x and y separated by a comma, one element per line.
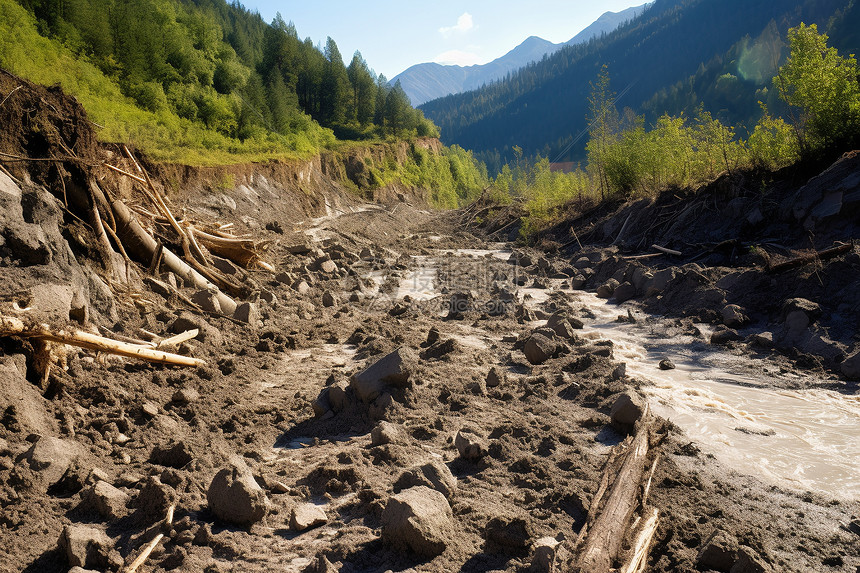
<point>823,86</point>
<point>363,90</point>
<point>602,122</point>
<point>334,89</point>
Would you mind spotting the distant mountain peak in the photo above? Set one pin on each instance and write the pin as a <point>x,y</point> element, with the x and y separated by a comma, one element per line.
<point>428,81</point>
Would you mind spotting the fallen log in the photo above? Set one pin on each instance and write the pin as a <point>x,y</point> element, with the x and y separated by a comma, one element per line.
<point>13,326</point>
<point>143,246</point>
<point>608,528</point>
<point>810,258</point>
<point>667,251</point>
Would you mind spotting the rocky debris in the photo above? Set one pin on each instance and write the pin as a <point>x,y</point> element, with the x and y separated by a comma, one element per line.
<point>659,281</point>
<point>549,554</point>
<point>724,335</point>
<point>384,433</point>
<point>495,377</point>
<point>440,349</point>
<point>329,299</point>
<point>624,292</point>
<point>173,454</point>
<point>207,300</point>
<point>626,411</point>
<point>538,349</point>
<point>666,364</point>
<point>149,409</point>
<point>723,553</point>
<point>833,192</point>
<point>51,457</point>
<point>459,303</point>
<point>235,497</point>
<point>110,502</point>
<point>434,474</point>
<point>394,369</point>
<point>248,313</point>
<point>88,547</point>
<point>607,289</point>
<point>306,516</point>
<point>510,535</point>
<point>850,367</point>
<point>185,396</point>
<point>154,499</point>
<point>470,446</point>
<point>733,316</point>
<point>328,266</point>
<point>418,519</point>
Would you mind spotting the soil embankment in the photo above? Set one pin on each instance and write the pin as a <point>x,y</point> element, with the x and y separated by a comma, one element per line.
<point>402,393</point>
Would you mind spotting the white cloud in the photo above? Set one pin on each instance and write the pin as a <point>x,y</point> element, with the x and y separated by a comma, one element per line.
<point>464,24</point>
<point>457,58</point>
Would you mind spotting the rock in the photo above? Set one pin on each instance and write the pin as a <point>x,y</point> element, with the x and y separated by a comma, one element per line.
<point>459,304</point>
<point>440,349</point>
<point>577,282</point>
<point>719,553</point>
<point>381,407</point>
<point>470,446</point>
<point>384,433</point>
<point>495,377</point>
<point>207,301</point>
<point>733,316</point>
<point>850,367</point>
<point>538,349</point>
<point>186,396</point>
<point>607,289</point>
<point>724,335</point>
<point>82,570</point>
<point>154,499</point>
<point>640,277</point>
<point>747,562</point>
<point>796,321</point>
<point>563,325</point>
<point>174,454</point>
<point>418,519</point>
<point>435,475</point>
<point>624,292</point>
<point>626,411</point>
<point>51,457</point>
<point>303,287</point>
<point>511,535</point>
<point>248,313</point>
<point>659,281</point>
<point>108,501</point>
<point>149,409</point>
<point>329,299</point>
<point>88,547</point>
<point>328,267</point>
<point>307,515</point>
<point>582,262</point>
<point>393,369</point>
<point>762,339</point>
<point>792,305</point>
<point>543,559</point>
<point>322,403</point>
<point>337,396</point>
<point>667,364</point>
<point>235,497</point>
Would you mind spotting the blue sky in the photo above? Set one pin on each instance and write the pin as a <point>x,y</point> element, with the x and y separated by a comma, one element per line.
<point>395,34</point>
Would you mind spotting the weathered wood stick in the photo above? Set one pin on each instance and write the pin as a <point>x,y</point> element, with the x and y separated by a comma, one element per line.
<point>642,542</point>
<point>667,251</point>
<point>144,246</point>
<point>144,555</point>
<point>603,543</point>
<point>178,339</point>
<point>12,326</point>
<point>126,173</point>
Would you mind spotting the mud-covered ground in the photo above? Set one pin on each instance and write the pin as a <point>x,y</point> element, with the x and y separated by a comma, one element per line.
<point>491,419</point>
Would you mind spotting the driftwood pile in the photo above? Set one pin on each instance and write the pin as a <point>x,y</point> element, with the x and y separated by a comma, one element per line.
<point>148,231</point>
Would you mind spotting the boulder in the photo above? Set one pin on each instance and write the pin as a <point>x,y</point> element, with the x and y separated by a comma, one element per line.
<point>418,519</point>
<point>624,292</point>
<point>626,411</point>
<point>733,316</point>
<point>659,281</point>
<point>511,535</point>
<point>850,367</point>
<point>434,474</point>
<point>719,553</point>
<point>51,457</point>
<point>88,547</point>
<point>307,515</point>
<point>328,266</point>
<point>607,289</point>
<point>393,369</point>
<point>470,446</point>
<point>495,377</point>
<point>459,303</point>
<point>666,364</point>
<point>174,454</point>
<point>538,349</point>
<point>544,557</point>
<point>248,313</point>
<point>108,501</point>
<point>329,299</point>
<point>724,335</point>
<point>235,497</point>
<point>384,433</point>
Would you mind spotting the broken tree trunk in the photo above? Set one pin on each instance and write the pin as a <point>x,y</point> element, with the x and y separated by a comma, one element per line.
<point>12,326</point>
<point>606,532</point>
<point>811,258</point>
<point>142,245</point>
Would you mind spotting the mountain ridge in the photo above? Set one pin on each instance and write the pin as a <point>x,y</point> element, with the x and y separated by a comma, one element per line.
<point>430,80</point>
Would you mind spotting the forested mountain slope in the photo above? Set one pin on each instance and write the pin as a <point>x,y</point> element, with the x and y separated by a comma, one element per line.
<point>543,107</point>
